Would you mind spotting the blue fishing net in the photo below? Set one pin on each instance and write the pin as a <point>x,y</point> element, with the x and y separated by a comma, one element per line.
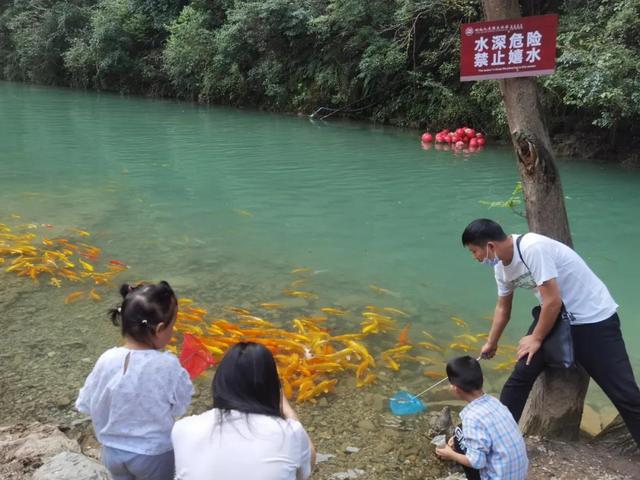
<point>403,403</point>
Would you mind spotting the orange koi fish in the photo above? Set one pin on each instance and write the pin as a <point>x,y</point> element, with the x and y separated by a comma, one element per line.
<point>333,311</point>
<point>460,346</point>
<point>300,270</point>
<point>368,380</point>
<point>428,335</point>
<point>459,322</point>
<point>395,311</point>
<point>431,346</point>
<point>372,327</point>
<point>434,374</point>
<point>379,290</point>
<point>72,297</point>
<point>271,306</point>
<point>424,360</point>
<point>87,266</point>
<point>391,363</point>
<point>255,321</point>
<point>373,308</point>
<point>403,338</point>
<point>82,233</point>
<point>95,296</point>
<point>243,213</point>
<point>396,350</point>
<point>118,263</point>
<point>299,294</point>
<point>237,310</point>
<point>467,337</point>
<point>505,365</point>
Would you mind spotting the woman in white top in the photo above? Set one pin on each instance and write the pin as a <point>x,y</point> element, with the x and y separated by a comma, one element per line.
<point>135,391</point>
<point>252,433</point>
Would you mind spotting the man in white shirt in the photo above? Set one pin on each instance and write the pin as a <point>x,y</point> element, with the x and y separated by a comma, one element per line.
<point>558,276</point>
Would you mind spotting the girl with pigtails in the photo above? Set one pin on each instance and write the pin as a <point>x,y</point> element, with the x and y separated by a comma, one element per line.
<point>135,392</point>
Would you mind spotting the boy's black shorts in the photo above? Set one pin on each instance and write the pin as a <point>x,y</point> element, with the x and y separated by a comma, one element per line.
<point>460,447</point>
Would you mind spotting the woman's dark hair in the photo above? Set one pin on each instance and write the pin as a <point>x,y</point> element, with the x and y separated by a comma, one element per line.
<point>143,307</point>
<point>481,231</point>
<point>247,380</point>
<point>465,373</point>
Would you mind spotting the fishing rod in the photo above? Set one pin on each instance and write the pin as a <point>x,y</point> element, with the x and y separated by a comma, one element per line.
<point>439,382</point>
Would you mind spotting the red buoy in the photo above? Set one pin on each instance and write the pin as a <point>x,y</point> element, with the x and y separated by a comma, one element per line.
<point>427,137</point>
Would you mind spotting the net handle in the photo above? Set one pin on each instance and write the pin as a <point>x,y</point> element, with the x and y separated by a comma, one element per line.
<point>438,382</point>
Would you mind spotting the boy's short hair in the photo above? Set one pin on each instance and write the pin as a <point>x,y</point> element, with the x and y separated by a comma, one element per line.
<point>481,231</point>
<point>465,373</point>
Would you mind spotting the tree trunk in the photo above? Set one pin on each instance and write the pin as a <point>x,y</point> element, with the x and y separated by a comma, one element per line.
<point>555,405</point>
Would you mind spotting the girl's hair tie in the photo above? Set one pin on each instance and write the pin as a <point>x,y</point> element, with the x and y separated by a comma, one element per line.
<point>144,322</point>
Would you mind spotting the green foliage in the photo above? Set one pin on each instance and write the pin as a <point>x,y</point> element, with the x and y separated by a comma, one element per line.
<point>599,61</point>
<point>34,39</point>
<point>188,52</point>
<point>386,60</point>
<point>514,202</point>
<point>117,52</point>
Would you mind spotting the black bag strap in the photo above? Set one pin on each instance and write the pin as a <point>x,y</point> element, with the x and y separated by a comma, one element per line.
<point>520,252</point>
<point>562,309</point>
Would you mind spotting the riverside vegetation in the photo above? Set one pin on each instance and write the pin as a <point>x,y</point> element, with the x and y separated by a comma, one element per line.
<point>388,61</point>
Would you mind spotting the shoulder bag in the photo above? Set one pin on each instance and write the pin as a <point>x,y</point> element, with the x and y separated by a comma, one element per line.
<point>557,346</point>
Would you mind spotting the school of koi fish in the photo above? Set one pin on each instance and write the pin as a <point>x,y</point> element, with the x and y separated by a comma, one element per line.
<point>313,351</point>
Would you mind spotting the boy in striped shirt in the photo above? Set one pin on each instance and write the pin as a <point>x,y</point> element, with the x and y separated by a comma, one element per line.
<point>489,445</point>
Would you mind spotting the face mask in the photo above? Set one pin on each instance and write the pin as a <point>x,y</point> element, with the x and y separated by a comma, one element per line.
<point>490,261</point>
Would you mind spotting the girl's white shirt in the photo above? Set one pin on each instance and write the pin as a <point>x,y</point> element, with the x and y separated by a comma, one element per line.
<point>242,447</point>
<point>133,398</point>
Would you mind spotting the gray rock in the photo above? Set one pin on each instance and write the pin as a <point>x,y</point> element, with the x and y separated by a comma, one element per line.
<point>616,437</point>
<point>323,457</point>
<point>352,473</point>
<point>443,424</point>
<point>37,442</point>
<point>380,403</point>
<point>366,425</point>
<point>71,466</point>
<point>454,476</point>
<point>352,449</point>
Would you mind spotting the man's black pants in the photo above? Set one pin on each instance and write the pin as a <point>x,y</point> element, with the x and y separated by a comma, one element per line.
<point>599,349</point>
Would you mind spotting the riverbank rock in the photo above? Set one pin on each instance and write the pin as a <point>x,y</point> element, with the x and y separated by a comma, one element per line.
<point>443,424</point>
<point>25,447</point>
<point>616,437</point>
<point>71,466</point>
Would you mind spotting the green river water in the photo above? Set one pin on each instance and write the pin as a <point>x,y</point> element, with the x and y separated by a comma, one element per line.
<point>224,203</point>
